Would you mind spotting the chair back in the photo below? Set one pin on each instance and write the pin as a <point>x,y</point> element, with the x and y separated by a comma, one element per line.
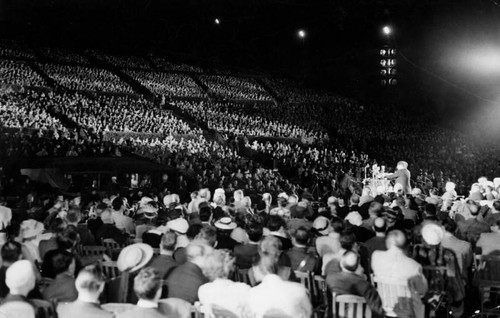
<point>396,296</point>
<point>241,275</point>
<point>489,269</point>
<point>92,250</point>
<point>112,247</point>
<point>305,279</point>
<point>45,309</point>
<point>320,296</point>
<point>109,269</point>
<point>350,306</point>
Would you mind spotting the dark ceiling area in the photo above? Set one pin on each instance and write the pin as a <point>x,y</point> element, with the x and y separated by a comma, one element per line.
<point>339,52</point>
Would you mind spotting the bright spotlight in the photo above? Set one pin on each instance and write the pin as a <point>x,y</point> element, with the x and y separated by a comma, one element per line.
<point>387,30</point>
<point>301,34</point>
<point>217,21</point>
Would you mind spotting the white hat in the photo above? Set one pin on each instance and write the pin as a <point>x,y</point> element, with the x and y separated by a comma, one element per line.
<point>331,200</point>
<point>169,198</point>
<point>432,234</point>
<point>354,218</point>
<point>416,192</point>
<point>225,223</point>
<point>144,201</point>
<point>179,225</point>
<point>19,274</point>
<point>31,228</point>
<point>134,257</point>
<point>322,225</point>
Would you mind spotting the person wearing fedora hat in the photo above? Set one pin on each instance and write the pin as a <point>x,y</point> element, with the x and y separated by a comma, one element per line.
<point>131,259</point>
<point>224,228</point>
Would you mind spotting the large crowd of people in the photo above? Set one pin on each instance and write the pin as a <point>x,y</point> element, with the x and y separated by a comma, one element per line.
<point>86,78</point>
<point>19,73</point>
<point>235,88</point>
<point>168,84</point>
<point>225,233</point>
<point>57,55</point>
<point>232,119</point>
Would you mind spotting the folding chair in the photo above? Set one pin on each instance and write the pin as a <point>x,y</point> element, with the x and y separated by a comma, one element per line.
<point>350,306</point>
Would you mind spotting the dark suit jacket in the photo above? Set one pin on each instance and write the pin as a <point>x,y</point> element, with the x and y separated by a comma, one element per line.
<point>299,254</point>
<point>245,255</point>
<point>62,288</point>
<point>82,309</point>
<point>164,264</point>
<point>110,231</point>
<point>352,284</point>
<point>184,282</point>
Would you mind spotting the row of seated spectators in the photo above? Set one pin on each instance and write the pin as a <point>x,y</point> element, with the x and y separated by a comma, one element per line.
<point>17,112</point>
<point>228,118</point>
<point>168,84</point>
<point>209,163</point>
<point>223,253</point>
<point>121,61</point>
<point>9,48</point>
<point>310,162</point>
<point>237,88</point>
<point>166,65</point>
<point>19,73</point>
<point>292,92</point>
<point>114,113</point>
<point>58,55</point>
<point>86,78</point>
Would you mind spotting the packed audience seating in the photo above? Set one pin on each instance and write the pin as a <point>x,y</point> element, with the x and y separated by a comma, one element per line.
<point>86,78</point>
<point>63,56</point>
<point>164,64</point>
<point>125,62</point>
<point>168,84</point>
<point>19,73</point>
<point>248,242</point>
<point>221,254</point>
<point>232,118</point>
<point>14,49</point>
<point>235,88</point>
<point>16,112</point>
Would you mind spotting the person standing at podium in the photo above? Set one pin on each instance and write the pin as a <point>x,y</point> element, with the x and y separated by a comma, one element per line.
<point>402,176</point>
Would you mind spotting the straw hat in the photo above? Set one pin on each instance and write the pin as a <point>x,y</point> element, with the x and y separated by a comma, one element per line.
<point>225,223</point>
<point>432,234</point>
<point>134,257</point>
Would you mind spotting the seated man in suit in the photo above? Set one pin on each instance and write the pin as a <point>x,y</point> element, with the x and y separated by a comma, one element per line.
<point>300,257</point>
<point>165,263</point>
<point>89,284</point>
<point>348,282</point>
<point>147,287</point>
<point>246,254</point>
<point>185,279</point>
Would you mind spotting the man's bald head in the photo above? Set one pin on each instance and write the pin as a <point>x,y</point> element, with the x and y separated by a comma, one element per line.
<point>395,238</point>
<point>379,225</point>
